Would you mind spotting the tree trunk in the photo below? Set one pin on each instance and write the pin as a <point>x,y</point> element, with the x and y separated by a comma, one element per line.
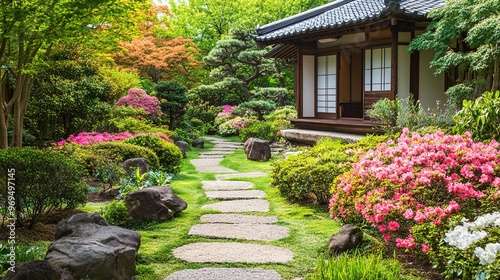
<point>496,76</point>
<point>4,111</point>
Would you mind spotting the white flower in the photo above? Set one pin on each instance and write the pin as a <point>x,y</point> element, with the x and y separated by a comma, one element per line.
<point>488,255</point>
<point>461,238</point>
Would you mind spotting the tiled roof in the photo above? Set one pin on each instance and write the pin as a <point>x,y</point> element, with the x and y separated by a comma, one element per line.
<point>341,13</point>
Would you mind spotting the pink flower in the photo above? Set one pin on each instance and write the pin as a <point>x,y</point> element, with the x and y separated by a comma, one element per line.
<point>382,228</point>
<point>393,226</point>
<point>386,237</point>
<point>419,217</point>
<point>408,214</point>
<point>425,247</point>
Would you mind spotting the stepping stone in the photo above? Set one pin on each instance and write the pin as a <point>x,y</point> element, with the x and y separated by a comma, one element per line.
<point>232,252</point>
<point>206,162</point>
<point>256,232</point>
<point>225,274</point>
<point>216,153</point>
<point>238,219</point>
<point>226,185</point>
<point>240,175</point>
<point>229,195</point>
<point>215,169</point>
<point>224,149</point>
<point>211,156</point>
<point>239,206</point>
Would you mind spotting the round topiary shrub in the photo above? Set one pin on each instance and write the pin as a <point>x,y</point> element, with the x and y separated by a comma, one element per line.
<point>121,151</point>
<point>169,155</point>
<point>39,181</point>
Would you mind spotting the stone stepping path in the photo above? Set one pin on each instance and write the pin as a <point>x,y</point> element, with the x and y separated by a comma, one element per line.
<point>238,219</point>
<point>240,175</point>
<point>232,252</point>
<point>228,195</point>
<point>225,274</point>
<point>239,206</point>
<point>237,197</point>
<point>226,185</point>
<point>257,232</point>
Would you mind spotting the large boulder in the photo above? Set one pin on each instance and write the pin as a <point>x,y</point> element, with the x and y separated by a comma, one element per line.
<point>154,204</point>
<point>89,248</point>
<point>130,165</point>
<point>346,238</point>
<point>197,143</point>
<point>257,149</point>
<point>37,270</point>
<point>183,146</point>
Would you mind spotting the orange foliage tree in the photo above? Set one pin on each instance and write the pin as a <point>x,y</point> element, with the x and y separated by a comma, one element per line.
<point>158,59</point>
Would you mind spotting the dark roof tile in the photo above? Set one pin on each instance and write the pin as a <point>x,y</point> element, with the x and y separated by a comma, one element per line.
<point>340,13</point>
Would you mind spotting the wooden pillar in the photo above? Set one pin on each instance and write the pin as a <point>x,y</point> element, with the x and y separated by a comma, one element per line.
<point>394,58</point>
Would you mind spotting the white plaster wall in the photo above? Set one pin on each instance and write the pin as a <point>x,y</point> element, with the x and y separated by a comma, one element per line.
<point>431,87</point>
<point>308,86</point>
<point>403,72</point>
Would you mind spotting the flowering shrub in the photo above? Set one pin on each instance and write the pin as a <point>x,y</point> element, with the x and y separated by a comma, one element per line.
<point>89,138</point>
<point>138,98</point>
<point>233,126</point>
<point>419,180</point>
<point>226,110</point>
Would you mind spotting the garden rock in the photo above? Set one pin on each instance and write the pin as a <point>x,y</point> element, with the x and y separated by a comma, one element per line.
<point>154,204</point>
<point>88,247</point>
<point>37,270</point>
<point>347,238</point>
<point>257,149</point>
<point>198,143</point>
<point>183,146</point>
<point>131,164</point>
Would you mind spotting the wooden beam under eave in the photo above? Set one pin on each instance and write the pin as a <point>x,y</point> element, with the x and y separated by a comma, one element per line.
<point>394,59</point>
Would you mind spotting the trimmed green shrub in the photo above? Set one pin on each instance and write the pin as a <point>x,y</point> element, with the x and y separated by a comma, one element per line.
<point>169,155</point>
<point>83,155</point>
<point>309,175</point>
<point>115,213</point>
<point>283,113</point>
<point>120,151</point>
<point>481,117</point>
<point>40,181</point>
<point>261,130</point>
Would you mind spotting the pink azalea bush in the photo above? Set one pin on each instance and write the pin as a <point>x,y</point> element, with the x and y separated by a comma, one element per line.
<point>89,138</point>
<point>138,98</point>
<point>419,182</point>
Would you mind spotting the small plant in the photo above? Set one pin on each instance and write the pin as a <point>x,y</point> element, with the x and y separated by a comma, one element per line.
<point>481,117</point>
<point>134,182</point>
<point>159,178</point>
<point>357,266</point>
<point>109,174</point>
<point>115,213</point>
